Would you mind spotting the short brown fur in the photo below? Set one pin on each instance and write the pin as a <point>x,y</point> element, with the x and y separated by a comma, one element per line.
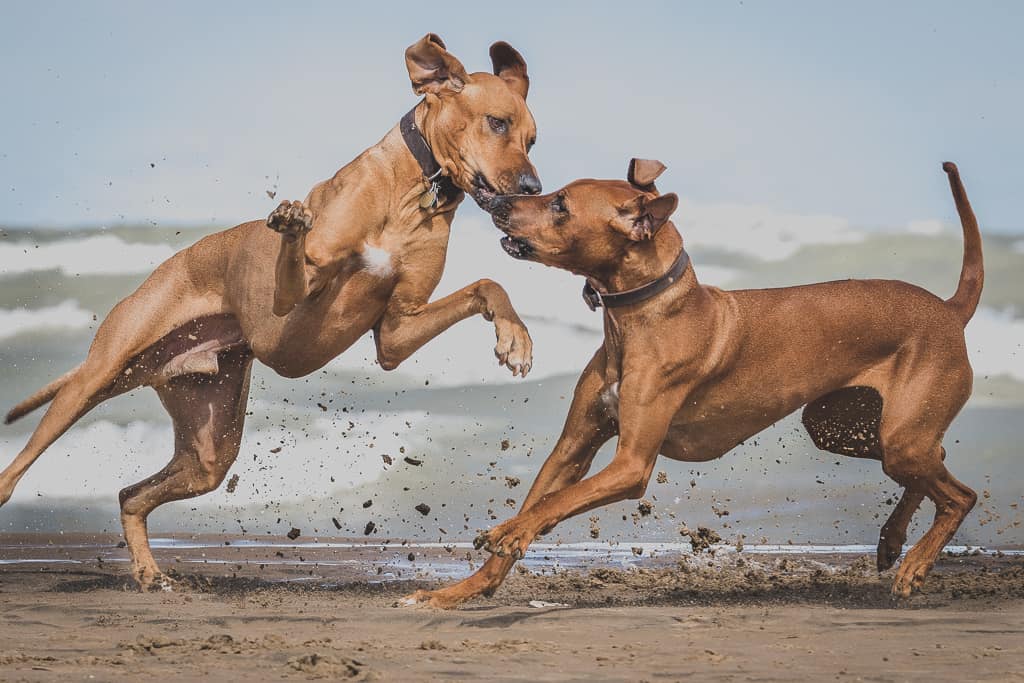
<point>358,254</point>
<point>880,365</point>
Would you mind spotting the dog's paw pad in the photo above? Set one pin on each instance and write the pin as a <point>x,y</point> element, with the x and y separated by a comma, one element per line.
<point>291,219</point>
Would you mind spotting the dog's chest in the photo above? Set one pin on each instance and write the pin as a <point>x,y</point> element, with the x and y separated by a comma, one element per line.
<point>377,261</point>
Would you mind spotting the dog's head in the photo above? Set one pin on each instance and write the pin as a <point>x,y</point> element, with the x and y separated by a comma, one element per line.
<point>478,125</point>
<point>589,226</point>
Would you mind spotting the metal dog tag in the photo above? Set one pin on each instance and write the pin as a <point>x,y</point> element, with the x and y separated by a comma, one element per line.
<point>428,199</point>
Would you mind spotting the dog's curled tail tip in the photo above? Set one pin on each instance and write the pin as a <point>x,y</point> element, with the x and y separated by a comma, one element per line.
<point>950,168</point>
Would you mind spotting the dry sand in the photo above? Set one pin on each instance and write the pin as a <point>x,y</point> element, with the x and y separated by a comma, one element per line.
<point>737,618</point>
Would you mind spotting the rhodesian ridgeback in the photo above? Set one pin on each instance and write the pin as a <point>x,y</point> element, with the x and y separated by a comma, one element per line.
<point>690,371</point>
<point>363,252</point>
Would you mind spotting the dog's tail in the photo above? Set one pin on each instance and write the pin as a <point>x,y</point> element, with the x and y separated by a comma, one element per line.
<point>41,397</point>
<point>972,274</point>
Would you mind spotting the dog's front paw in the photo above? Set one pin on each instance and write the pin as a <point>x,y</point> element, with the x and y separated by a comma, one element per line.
<point>910,576</point>
<point>505,540</point>
<point>514,348</point>
<point>290,219</point>
<point>152,580</point>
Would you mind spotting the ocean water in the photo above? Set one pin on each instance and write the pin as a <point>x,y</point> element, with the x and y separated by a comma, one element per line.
<point>475,428</point>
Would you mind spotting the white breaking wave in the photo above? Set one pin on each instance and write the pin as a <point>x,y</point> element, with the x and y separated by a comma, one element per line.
<point>927,226</point>
<point>995,341</point>
<point>94,255</point>
<point>759,231</point>
<point>67,315</point>
<point>324,458</point>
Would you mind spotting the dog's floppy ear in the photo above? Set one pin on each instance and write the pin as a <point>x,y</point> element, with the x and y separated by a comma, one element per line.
<point>643,172</point>
<point>641,217</point>
<point>510,67</point>
<point>431,68</point>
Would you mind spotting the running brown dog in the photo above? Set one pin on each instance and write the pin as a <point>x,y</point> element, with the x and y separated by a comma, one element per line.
<point>364,251</point>
<point>690,371</point>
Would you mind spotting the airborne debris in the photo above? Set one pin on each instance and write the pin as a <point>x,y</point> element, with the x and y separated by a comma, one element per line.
<point>702,539</point>
<point>504,444</point>
<point>337,524</point>
<point>645,507</point>
<point>412,461</point>
<point>370,526</point>
<point>232,483</point>
<point>294,533</point>
<point>423,509</point>
<point>511,482</point>
<point>275,450</point>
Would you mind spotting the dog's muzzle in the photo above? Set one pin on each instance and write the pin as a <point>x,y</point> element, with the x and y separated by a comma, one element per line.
<point>483,192</point>
<point>516,247</point>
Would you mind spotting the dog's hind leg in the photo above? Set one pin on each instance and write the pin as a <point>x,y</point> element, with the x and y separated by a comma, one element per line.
<point>846,422</point>
<point>208,412</point>
<point>894,531</point>
<point>916,414</point>
<point>132,326</point>
<point>953,500</point>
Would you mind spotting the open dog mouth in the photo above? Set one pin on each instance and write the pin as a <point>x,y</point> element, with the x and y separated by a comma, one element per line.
<point>516,248</point>
<point>483,192</point>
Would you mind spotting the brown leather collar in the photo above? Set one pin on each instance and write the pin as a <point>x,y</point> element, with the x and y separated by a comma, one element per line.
<point>421,151</point>
<point>595,298</point>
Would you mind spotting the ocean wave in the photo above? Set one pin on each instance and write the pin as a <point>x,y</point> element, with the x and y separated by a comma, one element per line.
<point>322,458</point>
<point>93,255</point>
<point>995,341</point>
<point>759,231</point>
<point>67,315</point>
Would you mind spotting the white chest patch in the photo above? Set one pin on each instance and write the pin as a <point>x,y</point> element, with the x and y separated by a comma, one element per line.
<point>377,261</point>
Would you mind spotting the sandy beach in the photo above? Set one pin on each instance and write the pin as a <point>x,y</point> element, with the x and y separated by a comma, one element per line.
<point>294,611</point>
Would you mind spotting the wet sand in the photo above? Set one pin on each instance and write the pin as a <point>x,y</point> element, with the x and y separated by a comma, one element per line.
<point>302,612</point>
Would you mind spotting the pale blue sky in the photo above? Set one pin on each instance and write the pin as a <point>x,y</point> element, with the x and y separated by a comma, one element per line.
<point>805,107</point>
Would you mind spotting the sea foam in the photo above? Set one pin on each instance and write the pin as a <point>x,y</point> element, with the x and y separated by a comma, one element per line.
<point>93,255</point>
<point>67,315</point>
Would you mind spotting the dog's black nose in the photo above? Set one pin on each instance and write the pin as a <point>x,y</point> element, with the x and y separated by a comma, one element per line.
<point>529,184</point>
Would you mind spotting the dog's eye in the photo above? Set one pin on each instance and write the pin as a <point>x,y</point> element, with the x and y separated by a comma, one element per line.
<point>499,126</point>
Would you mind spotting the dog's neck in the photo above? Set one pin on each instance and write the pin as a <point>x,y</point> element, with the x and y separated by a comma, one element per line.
<point>644,261</point>
<point>405,175</point>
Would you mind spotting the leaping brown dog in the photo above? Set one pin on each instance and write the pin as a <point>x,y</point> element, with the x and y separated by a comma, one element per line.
<point>690,371</point>
<point>364,251</point>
